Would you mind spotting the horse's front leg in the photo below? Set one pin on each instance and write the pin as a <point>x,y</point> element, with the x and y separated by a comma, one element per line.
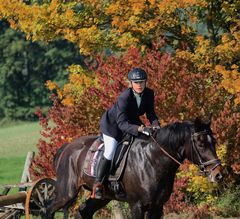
<point>155,212</point>
<point>137,210</point>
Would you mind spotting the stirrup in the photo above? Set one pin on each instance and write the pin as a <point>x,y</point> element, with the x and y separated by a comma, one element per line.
<point>97,192</point>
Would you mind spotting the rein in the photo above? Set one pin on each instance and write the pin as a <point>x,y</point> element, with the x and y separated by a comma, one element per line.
<point>164,151</point>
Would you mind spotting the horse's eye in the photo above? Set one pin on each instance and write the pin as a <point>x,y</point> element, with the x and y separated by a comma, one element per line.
<point>201,141</point>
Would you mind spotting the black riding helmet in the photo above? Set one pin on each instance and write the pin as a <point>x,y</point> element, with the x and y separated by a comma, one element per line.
<point>137,74</point>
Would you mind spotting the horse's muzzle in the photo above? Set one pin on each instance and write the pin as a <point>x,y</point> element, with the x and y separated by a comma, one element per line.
<point>216,175</point>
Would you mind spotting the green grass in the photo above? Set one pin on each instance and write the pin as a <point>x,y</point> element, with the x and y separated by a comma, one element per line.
<point>15,142</point>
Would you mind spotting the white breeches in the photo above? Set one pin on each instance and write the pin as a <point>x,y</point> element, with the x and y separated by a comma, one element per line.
<point>110,146</point>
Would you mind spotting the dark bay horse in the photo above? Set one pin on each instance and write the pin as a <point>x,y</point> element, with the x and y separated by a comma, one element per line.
<point>149,173</point>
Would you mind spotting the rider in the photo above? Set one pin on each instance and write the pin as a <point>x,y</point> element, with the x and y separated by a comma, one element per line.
<point>123,117</point>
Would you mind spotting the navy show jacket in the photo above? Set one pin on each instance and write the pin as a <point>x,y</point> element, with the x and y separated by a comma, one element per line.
<point>123,116</point>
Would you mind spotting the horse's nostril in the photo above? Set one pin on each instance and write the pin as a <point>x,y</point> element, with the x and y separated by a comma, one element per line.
<point>219,177</point>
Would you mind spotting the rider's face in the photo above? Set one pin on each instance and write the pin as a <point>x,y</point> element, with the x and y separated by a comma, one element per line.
<point>138,86</point>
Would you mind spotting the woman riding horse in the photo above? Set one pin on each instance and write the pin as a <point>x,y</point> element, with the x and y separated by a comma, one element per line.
<point>123,117</point>
<point>151,164</point>
<point>149,172</point>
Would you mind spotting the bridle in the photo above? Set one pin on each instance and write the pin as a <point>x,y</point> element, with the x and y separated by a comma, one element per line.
<point>202,165</point>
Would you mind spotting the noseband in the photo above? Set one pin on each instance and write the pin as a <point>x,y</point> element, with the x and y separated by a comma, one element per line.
<point>203,165</point>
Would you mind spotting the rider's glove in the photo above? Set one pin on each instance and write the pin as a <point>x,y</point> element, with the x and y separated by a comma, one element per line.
<point>156,127</point>
<point>145,130</point>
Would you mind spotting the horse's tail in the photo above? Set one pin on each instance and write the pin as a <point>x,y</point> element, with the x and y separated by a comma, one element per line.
<point>57,156</point>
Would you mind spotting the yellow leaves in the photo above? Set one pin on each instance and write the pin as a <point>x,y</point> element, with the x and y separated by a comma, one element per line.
<point>186,55</point>
<point>95,25</point>
<point>116,20</point>
<point>53,5</point>
<point>51,21</point>
<point>222,153</point>
<point>203,45</point>
<point>234,66</point>
<point>69,14</point>
<point>227,52</point>
<point>198,185</point>
<point>229,48</point>
<point>225,38</point>
<point>90,39</point>
<point>53,86</point>
<point>68,101</point>
<point>70,35</point>
<point>113,8</point>
<point>79,81</point>
<point>169,6</point>
<point>126,40</point>
<point>152,2</point>
<point>231,80</point>
<point>137,6</point>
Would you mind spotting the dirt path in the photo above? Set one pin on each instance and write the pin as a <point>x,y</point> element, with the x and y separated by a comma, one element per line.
<point>190,216</point>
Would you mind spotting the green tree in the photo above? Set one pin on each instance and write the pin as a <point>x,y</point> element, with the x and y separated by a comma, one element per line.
<point>24,69</point>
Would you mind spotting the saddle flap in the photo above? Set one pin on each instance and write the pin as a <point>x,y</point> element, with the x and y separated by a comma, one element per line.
<point>92,158</point>
<point>95,153</point>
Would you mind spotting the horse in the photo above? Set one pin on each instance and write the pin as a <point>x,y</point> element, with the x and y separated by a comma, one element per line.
<point>149,173</point>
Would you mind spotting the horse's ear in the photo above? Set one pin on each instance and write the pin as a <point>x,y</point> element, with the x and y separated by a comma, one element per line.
<point>209,119</point>
<point>197,121</point>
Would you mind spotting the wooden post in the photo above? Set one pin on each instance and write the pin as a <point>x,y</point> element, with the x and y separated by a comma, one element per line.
<point>26,174</point>
<point>19,197</point>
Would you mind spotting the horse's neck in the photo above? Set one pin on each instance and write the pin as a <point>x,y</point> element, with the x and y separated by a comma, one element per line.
<point>154,153</point>
<point>172,147</point>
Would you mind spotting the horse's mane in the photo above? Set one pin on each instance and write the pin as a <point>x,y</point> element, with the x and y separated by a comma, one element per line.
<point>174,134</point>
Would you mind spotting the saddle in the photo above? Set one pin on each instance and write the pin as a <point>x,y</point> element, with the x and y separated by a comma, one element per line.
<point>118,163</point>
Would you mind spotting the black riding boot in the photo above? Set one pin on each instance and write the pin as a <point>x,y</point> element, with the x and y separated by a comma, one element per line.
<point>102,171</point>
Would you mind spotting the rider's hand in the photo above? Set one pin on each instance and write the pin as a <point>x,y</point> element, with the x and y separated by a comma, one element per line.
<point>156,127</point>
<point>145,130</point>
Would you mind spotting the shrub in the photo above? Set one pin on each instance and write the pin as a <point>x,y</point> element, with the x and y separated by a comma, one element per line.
<point>228,203</point>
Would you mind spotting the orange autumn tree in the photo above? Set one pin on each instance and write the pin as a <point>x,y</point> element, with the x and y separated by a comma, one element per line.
<point>205,31</point>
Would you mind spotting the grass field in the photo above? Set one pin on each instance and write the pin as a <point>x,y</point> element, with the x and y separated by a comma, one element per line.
<point>15,142</point>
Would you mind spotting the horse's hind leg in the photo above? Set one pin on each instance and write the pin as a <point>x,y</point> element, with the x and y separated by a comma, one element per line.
<point>88,209</point>
<point>156,212</point>
<point>61,201</point>
<point>137,210</point>
<point>53,207</point>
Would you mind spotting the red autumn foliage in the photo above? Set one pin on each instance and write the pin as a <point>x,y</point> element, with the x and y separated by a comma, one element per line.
<point>181,93</point>
<point>227,131</point>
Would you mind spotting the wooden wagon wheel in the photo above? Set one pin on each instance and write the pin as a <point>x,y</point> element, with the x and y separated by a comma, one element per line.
<point>39,196</point>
